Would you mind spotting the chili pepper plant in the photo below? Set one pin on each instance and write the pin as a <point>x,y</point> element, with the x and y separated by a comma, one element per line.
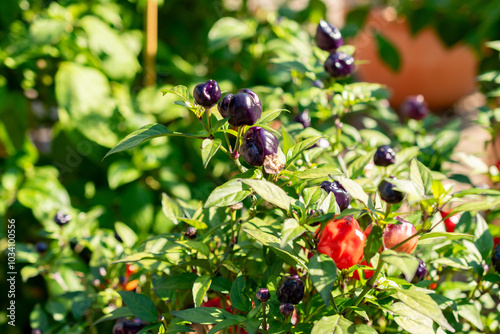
<point>319,225</point>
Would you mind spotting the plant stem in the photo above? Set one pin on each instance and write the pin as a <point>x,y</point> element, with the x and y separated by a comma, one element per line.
<point>236,161</point>
<point>388,208</point>
<point>208,113</point>
<point>264,320</point>
<point>368,286</point>
<point>238,139</point>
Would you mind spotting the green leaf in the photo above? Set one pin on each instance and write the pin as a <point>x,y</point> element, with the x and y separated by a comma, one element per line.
<point>199,225</point>
<point>323,272</point>
<point>470,312</point>
<point>238,299</point>
<point>180,281</point>
<point>411,320</point>
<point>269,192</point>
<point>494,45</point>
<point>373,242</point>
<point>484,241</point>
<point>170,208</point>
<point>387,52</point>
<point>476,206</point>
<point>269,116</point>
<point>120,312</point>
<point>252,325</point>
<point>447,235</point>
<point>233,321</point>
<point>145,133</point>
<point>140,305</point>
<point>286,254</point>
<point>228,28</point>
<point>311,196</point>
<point>146,329</point>
<point>298,148</point>
<point>329,204</point>
<point>421,176</point>
<point>126,233</point>
<point>181,91</point>
<point>409,187</point>
<point>335,324</point>
<point>195,245</point>
<point>227,194</point>
<point>200,288</point>
<point>353,188</point>
<point>122,172</point>
<point>202,315</point>
<point>365,329</point>
<point>208,149</point>
<point>316,173</point>
<point>407,263</point>
<point>290,231</point>
<point>424,304</point>
<point>452,262</point>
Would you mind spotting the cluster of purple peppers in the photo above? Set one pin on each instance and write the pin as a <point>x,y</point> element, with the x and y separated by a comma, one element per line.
<point>338,64</point>
<point>290,292</point>
<point>242,108</point>
<point>383,157</point>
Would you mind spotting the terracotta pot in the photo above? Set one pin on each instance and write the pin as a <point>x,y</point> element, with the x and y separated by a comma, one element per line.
<point>442,75</point>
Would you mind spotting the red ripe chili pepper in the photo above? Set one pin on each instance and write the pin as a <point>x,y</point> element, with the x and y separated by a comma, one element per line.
<point>451,221</point>
<point>343,241</point>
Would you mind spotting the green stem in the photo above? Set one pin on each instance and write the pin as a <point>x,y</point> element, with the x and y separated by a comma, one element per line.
<point>471,294</point>
<point>388,208</point>
<point>367,287</point>
<point>238,139</point>
<point>236,161</point>
<point>264,320</point>
<point>208,113</point>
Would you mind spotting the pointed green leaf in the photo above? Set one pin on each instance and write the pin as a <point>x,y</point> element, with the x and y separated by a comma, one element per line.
<point>200,288</point>
<point>238,299</point>
<point>145,133</point>
<point>140,305</point>
<point>290,231</point>
<point>298,148</point>
<point>208,149</point>
<point>227,194</point>
<point>323,272</point>
<point>407,263</point>
<point>270,192</point>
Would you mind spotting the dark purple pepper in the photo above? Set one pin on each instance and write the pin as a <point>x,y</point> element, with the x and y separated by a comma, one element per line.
<point>207,94</point>
<point>328,37</point>
<point>318,84</point>
<point>41,247</point>
<point>191,233</point>
<point>290,290</point>
<point>61,218</point>
<point>257,144</point>
<point>388,194</point>
<point>384,156</point>
<point>415,107</point>
<point>286,309</point>
<point>244,108</point>
<point>263,295</point>
<point>342,197</point>
<point>303,118</point>
<point>223,104</point>
<point>421,271</point>
<point>495,258</point>
<point>252,94</point>
<point>339,64</point>
<point>124,326</point>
